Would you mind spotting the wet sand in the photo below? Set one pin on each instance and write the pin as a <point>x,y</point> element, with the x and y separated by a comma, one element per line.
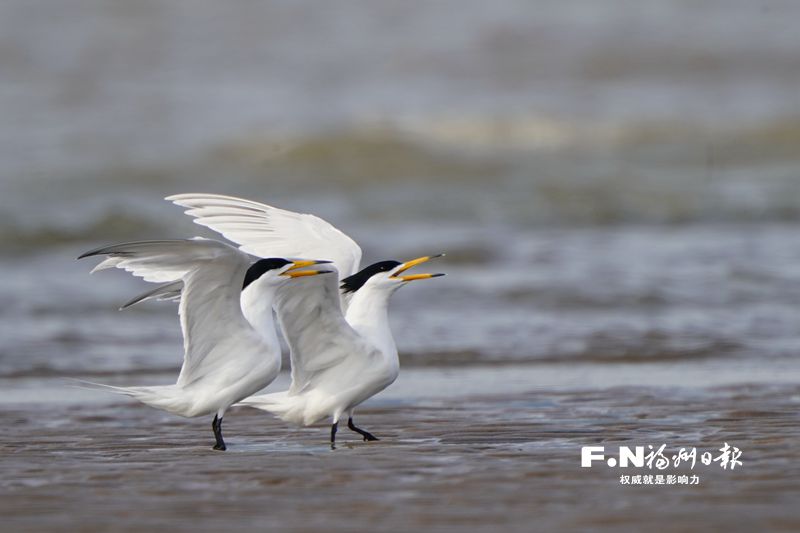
<point>472,463</point>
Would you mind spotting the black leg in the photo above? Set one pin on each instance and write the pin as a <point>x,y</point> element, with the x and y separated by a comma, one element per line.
<point>216,425</point>
<point>334,427</point>
<point>366,434</point>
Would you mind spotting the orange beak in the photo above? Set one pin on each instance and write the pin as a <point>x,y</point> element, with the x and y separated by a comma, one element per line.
<point>414,262</point>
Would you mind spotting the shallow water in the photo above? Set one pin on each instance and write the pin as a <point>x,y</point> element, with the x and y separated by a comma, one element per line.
<point>632,294</point>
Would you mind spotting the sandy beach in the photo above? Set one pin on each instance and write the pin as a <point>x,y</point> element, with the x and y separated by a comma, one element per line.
<point>477,462</point>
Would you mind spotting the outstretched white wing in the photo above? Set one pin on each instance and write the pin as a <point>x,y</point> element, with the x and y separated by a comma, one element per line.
<point>318,335</point>
<point>267,231</point>
<point>212,272</point>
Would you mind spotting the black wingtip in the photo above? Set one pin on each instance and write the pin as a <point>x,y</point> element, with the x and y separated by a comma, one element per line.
<point>90,253</point>
<point>96,251</point>
<point>131,302</point>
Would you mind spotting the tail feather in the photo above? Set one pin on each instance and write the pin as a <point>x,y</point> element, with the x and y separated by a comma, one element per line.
<point>293,409</point>
<point>164,397</point>
<point>279,404</point>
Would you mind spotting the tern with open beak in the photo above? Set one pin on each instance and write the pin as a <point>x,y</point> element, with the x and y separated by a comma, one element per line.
<point>225,359</point>
<point>338,360</point>
<point>350,341</point>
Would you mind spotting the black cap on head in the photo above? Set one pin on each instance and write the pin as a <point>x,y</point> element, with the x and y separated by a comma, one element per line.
<point>260,267</point>
<point>357,280</point>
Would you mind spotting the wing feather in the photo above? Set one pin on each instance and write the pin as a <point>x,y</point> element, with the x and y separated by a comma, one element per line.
<point>317,333</point>
<point>267,231</point>
<point>169,291</point>
<point>211,273</point>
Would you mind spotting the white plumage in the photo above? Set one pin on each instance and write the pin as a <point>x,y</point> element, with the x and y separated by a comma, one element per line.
<point>338,360</point>
<point>334,367</point>
<point>225,359</point>
<point>267,231</point>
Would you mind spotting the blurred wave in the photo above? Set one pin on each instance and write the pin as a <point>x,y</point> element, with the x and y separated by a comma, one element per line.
<point>630,294</point>
<point>15,239</point>
<point>480,172</point>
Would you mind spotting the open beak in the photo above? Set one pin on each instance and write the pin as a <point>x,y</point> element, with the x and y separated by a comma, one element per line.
<point>292,271</point>
<point>414,262</point>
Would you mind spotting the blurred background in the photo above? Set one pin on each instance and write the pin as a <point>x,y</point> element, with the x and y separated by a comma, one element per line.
<point>614,181</point>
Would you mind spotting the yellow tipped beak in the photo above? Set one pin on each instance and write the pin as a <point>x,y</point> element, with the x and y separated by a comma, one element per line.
<point>414,262</point>
<point>304,273</point>
<point>412,277</point>
<point>303,264</point>
<point>292,271</point>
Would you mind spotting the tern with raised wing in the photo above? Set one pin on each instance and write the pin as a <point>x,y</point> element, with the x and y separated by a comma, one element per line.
<point>338,361</point>
<point>341,348</point>
<point>225,359</point>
